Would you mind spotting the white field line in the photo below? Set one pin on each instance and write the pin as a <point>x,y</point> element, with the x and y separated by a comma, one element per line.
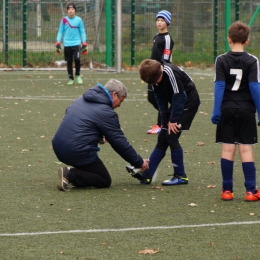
<point>66,98</point>
<point>87,73</point>
<point>129,229</point>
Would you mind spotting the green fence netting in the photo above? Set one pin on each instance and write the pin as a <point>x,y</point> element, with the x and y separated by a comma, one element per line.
<point>28,30</point>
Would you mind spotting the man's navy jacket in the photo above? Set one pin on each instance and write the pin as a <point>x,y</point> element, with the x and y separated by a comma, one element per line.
<point>86,121</point>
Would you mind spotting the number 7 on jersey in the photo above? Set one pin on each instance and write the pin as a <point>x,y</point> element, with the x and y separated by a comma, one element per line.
<point>239,74</point>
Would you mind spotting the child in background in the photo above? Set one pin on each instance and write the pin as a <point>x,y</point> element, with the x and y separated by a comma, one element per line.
<point>74,34</point>
<point>161,51</point>
<point>236,98</point>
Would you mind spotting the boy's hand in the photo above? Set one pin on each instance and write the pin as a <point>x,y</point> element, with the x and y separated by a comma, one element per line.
<point>215,119</point>
<point>58,48</point>
<point>84,48</point>
<point>174,127</point>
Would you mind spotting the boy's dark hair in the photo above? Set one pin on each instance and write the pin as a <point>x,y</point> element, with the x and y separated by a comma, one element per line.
<point>238,32</point>
<point>150,71</point>
<point>71,5</point>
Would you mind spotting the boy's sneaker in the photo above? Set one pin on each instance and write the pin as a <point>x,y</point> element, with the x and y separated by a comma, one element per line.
<point>257,193</point>
<point>227,195</point>
<point>155,130</point>
<point>63,183</point>
<point>79,80</point>
<point>176,180</point>
<point>71,82</point>
<point>136,173</point>
<point>252,196</point>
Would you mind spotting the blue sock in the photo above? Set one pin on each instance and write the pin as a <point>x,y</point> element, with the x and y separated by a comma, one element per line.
<point>250,176</point>
<point>227,174</point>
<point>177,162</point>
<point>154,160</point>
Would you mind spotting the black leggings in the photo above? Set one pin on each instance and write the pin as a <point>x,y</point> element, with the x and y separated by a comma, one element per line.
<point>72,53</point>
<point>70,68</point>
<point>165,140</point>
<point>94,174</point>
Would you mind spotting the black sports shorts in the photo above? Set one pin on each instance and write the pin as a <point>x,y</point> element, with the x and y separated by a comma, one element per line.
<point>237,126</point>
<point>187,117</point>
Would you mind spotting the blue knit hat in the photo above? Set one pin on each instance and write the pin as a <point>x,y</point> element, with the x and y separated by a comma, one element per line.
<point>165,15</point>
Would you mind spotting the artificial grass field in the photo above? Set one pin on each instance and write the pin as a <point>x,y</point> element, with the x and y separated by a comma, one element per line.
<point>185,222</point>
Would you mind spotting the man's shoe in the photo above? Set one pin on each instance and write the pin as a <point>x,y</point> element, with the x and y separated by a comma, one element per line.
<point>71,82</point>
<point>227,195</point>
<point>176,180</point>
<point>63,183</point>
<point>136,173</point>
<point>251,196</point>
<point>79,80</point>
<point>155,130</point>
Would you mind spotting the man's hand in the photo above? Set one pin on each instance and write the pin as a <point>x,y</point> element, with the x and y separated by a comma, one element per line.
<point>84,48</point>
<point>58,47</point>
<point>145,165</point>
<point>173,127</point>
<point>103,140</point>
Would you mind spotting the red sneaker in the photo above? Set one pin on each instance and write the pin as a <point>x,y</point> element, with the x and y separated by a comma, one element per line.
<point>257,193</point>
<point>227,195</point>
<point>252,197</point>
<point>155,130</point>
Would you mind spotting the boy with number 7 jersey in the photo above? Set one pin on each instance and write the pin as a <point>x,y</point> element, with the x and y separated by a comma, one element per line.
<point>236,98</point>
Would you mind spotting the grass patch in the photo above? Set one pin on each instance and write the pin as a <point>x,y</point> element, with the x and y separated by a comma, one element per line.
<point>32,107</point>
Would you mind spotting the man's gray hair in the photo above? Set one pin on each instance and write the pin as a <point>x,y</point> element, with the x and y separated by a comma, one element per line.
<point>114,85</point>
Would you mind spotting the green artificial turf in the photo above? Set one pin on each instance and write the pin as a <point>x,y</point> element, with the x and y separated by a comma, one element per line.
<point>185,222</point>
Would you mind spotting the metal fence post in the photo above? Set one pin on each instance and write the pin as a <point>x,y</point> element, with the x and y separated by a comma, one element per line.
<point>119,36</point>
<point>24,32</point>
<point>5,35</point>
<point>108,33</point>
<point>215,13</point>
<point>132,32</point>
<point>228,22</point>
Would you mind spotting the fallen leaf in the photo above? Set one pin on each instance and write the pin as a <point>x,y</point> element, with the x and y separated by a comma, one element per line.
<point>156,187</point>
<point>211,243</point>
<point>193,205</point>
<point>252,214</point>
<point>148,251</point>
<point>212,162</point>
<point>200,144</point>
<point>211,186</point>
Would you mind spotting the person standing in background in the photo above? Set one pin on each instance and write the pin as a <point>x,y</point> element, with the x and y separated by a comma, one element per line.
<point>74,41</point>
<point>161,51</point>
